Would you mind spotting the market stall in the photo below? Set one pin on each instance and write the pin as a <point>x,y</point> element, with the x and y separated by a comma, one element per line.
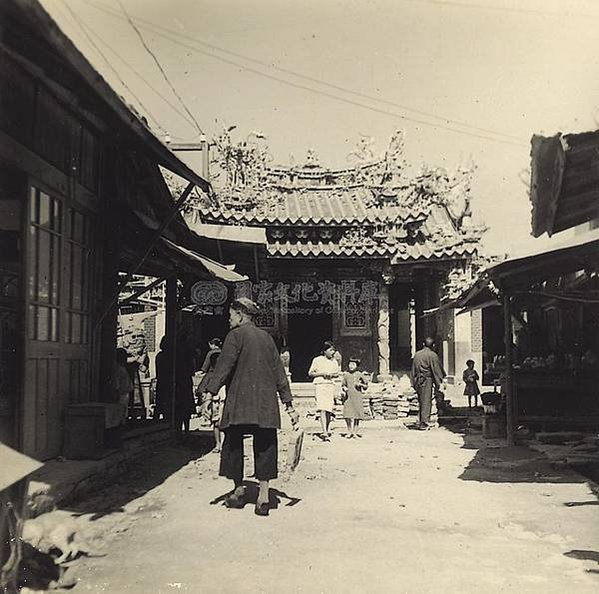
<point>549,370</point>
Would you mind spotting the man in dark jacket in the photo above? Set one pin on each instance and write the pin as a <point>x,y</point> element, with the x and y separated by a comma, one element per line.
<point>250,366</point>
<point>427,373</point>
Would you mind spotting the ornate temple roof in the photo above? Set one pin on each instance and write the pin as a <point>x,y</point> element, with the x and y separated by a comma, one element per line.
<point>371,210</point>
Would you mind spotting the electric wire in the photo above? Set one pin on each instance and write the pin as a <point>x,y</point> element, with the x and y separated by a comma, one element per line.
<point>496,7</point>
<point>134,71</point>
<point>151,87</point>
<point>81,26</point>
<point>159,66</point>
<point>158,28</point>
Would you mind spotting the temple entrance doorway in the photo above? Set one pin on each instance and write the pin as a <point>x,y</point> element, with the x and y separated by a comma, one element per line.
<point>401,327</point>
<point>308,325</point>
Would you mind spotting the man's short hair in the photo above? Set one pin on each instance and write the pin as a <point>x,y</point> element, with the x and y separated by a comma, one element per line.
<point>245,306</point>
<point>429,342</point>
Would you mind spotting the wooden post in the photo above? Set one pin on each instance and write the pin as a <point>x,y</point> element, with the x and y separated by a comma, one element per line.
<point>104,331</point>
<point>256,265</point>
<point>509,397</point>
<point>155,238</point>
<point>171,335</point>
<point>219,248</point>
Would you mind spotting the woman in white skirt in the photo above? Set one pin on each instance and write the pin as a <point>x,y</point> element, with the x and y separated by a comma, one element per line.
<point>324,371</point>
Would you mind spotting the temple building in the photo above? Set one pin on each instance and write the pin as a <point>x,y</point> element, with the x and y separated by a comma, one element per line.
<point>361,255</point>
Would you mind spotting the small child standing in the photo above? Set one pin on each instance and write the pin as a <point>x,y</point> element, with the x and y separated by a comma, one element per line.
<point>124,385</point>
<point>470,377</point>
<point>353,387</point>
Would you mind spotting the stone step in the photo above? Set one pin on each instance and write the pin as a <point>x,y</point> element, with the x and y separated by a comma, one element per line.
<point>302,389</point>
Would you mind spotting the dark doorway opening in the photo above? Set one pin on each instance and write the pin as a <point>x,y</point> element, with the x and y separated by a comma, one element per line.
<point>400,331</point>
<point>309,325</point>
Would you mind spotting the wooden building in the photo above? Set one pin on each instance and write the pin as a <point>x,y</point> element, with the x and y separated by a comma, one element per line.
<point>547,302</point>
<point>565,173</point>
<point>355,255</point>
<point>82,203</point>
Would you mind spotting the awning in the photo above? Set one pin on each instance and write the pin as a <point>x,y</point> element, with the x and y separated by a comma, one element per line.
<point>15,466</point>
<point>520,273</point>
<point>220,271</point>
<point>565,257</point>
<point>237,234</point>
<point>477,297</point>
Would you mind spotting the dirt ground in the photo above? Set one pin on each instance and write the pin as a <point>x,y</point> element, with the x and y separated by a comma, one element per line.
<point>396,511</point>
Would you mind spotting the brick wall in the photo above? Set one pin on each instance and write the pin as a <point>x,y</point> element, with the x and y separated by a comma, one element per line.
<point>150,333</point>
<point>476,330</point>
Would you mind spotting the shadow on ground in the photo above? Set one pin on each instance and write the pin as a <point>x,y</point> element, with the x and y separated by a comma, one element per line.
<point>495,462</point>
<point>275,496</point>
<point>147,473</point>
<point>585,555</point>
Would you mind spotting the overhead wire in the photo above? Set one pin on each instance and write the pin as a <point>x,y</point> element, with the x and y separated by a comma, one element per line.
<point>158,28</point>
<point>81,26</point>
<point>143,79</point>
<point>159,66</point>
<point>497,7</point>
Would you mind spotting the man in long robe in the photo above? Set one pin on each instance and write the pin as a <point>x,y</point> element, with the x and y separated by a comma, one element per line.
<point>427,374</point>
<point>251,368</point>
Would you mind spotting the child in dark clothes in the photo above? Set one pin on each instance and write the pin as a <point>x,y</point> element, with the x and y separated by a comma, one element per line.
<point>470,377</point>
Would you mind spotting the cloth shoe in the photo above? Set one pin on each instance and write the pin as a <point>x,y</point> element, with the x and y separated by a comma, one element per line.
<point>235,501</point>
<point>261,509</point>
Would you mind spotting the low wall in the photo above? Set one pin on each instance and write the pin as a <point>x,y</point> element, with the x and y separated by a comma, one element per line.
<point>61,482</point>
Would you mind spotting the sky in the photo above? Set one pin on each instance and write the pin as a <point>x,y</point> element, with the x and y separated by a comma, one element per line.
<point>467,80</point>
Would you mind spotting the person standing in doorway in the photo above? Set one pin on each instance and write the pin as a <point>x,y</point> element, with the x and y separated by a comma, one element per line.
<point>163,381</point>
<point>250,366</point>
<point>427,375</point>
<point>124,385</point>
<point>324,371</point>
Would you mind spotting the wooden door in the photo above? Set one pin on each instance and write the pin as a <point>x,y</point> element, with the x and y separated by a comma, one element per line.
<point>58,354</point>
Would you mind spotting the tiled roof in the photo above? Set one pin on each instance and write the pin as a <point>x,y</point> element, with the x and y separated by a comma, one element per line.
<point>318,206</point>
<point>346,214</point>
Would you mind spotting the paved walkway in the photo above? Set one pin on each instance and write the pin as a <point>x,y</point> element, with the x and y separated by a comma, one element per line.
<point>396,511</point>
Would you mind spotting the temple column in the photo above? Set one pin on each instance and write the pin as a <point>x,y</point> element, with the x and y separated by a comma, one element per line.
<point>383,329</point>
